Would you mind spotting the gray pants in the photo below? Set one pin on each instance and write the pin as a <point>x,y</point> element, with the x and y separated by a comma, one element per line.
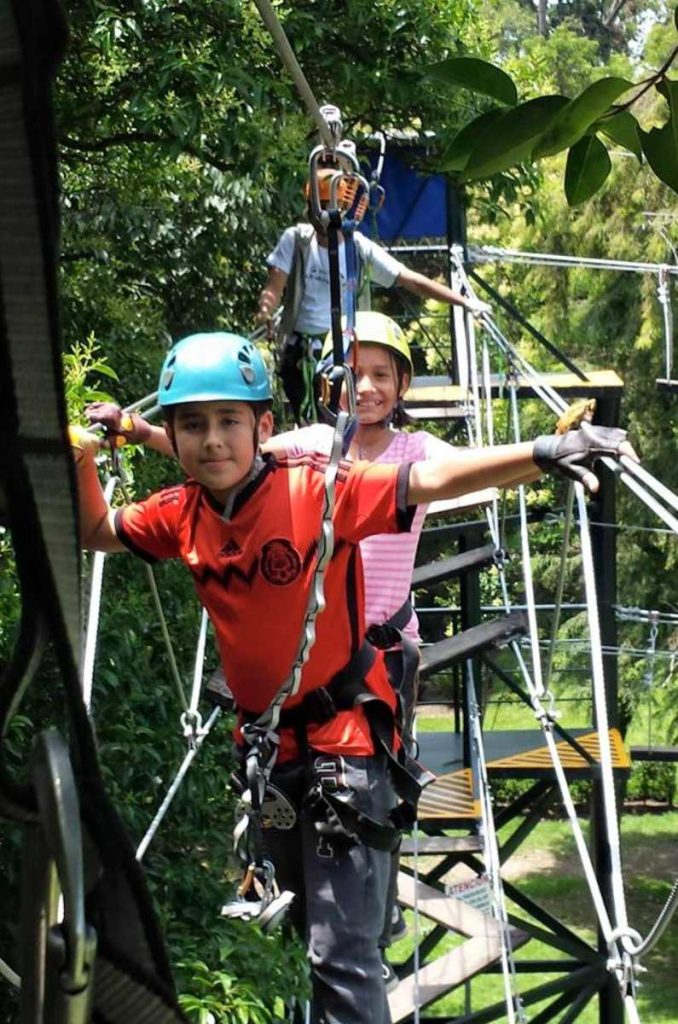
<point>340,886</point>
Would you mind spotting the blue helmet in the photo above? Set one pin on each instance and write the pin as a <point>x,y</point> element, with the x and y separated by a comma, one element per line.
<point>210,366</point>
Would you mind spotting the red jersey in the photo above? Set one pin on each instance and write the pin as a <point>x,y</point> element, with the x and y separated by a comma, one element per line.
<point>253,570</point>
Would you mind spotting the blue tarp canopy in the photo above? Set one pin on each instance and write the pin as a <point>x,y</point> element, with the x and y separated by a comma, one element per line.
<point>416,203</point>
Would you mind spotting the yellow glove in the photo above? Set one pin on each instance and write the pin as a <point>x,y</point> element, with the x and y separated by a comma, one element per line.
<point>84,444</point>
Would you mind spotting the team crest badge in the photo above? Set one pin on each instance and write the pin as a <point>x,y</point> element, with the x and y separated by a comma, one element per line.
<point>280,563</point>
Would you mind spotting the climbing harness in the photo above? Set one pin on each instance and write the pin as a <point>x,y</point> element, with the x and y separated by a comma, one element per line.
<point>261,737</point>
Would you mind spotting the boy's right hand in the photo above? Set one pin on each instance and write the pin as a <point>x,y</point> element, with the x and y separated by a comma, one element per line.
<point>120,427</point>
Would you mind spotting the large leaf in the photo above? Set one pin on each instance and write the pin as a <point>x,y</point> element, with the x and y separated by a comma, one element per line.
<point>512,138</point>
<point>576,118</point>
<point>477,75</point>
<point>588,165</point>
<point>457,153</point>
<point>623,129</point>
<point>660,145</point>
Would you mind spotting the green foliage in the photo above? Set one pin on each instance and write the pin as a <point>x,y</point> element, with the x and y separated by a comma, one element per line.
<point>588,165</point>
<point>512,137</point>
<point>660,145</point>
<point>84,360</point>
<point>548,125</point>
<point>477,75</point>
<point>652,782</point>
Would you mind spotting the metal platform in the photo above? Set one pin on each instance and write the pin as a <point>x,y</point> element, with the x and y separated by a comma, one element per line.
<point>450,400</point>
<point>516,754</point>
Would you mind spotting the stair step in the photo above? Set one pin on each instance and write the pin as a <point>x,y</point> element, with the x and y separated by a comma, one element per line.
<point>496,633</point>
<point>436,412</point>
<point>450,568</point>
<point>664,384</point>
<point>429,845</point>
<point>482,947</point>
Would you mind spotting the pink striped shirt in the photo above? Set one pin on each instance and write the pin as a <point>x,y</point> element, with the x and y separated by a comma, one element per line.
<point>388,559</point>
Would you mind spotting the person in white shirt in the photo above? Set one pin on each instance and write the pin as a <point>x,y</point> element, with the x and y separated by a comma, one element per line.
<point>299,276</point>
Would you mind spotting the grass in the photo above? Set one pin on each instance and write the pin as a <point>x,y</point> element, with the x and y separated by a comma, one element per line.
<point>548,871</point>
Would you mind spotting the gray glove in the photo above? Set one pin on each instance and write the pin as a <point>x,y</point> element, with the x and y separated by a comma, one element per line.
<point>573,454</point>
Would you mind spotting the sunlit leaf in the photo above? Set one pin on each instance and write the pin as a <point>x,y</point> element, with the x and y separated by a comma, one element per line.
<point>457,153</point>
<point>576,118</point>
<point>623,129</point>
<point>512,137</point>
<point>660,145</point>
<point>477,75</point>
<point>588,165</point>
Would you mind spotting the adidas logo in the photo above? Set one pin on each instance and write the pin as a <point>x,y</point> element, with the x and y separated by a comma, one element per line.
<point>230,549</point>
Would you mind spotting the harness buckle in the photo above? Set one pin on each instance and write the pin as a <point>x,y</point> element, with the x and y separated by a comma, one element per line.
<point>383,636</point>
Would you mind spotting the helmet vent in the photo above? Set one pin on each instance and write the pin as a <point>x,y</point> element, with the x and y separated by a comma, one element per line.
<point>246,369</point>
<point>168,375</point>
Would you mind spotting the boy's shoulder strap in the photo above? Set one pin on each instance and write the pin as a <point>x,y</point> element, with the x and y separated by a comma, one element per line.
<point>303,235</point>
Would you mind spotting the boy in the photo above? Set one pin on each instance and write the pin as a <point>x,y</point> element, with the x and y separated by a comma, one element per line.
<point>299,267</point>
<point>247,529</point>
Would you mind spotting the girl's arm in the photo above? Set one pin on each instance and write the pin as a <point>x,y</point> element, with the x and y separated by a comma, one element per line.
<point>571,455</point>
<point>466,470</point>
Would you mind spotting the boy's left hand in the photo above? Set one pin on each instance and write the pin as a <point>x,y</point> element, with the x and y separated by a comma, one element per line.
<point>574,453</point>
<point>84,444</point>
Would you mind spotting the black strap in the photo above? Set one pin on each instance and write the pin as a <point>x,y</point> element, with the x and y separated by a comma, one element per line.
<point>385,637</point>
<point>322,704</point>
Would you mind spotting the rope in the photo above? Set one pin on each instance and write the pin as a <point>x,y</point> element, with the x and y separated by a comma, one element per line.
<point>286,54</point>
<point>561,581</point>
<point>664,296</point>
<point>492,253</point>
<point>514,1006</point>
<point>94,609</point>
<point>178,779</point>
<point>9,975</point>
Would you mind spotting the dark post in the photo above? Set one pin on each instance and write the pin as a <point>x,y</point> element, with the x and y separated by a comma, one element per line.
<point>604,544</point>
<point>456,235</point>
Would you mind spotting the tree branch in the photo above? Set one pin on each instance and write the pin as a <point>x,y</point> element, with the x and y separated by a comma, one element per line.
<point>133,138</point>
<point>614,10</point>
<point>649,82</point>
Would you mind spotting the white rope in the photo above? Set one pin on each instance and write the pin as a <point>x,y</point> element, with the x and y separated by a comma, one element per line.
<point>286,54</point>
<point>565,547</point>
<point>602,721</point>
<point>492,253</point>
<point>513,1002</point>
<point>178,779</point>
<point>9,975</point>
<point>545,719</point>
<point>94,609</point>
<point>664,296</point>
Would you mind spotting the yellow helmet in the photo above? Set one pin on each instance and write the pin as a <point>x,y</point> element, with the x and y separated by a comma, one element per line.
<point>373,328</point>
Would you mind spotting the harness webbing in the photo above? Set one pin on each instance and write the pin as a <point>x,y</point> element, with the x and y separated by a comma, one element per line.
<point>133,978</point>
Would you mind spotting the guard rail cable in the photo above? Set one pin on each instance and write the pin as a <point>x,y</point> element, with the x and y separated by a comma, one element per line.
<point>515,1011</point>
<point>622,938</point>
